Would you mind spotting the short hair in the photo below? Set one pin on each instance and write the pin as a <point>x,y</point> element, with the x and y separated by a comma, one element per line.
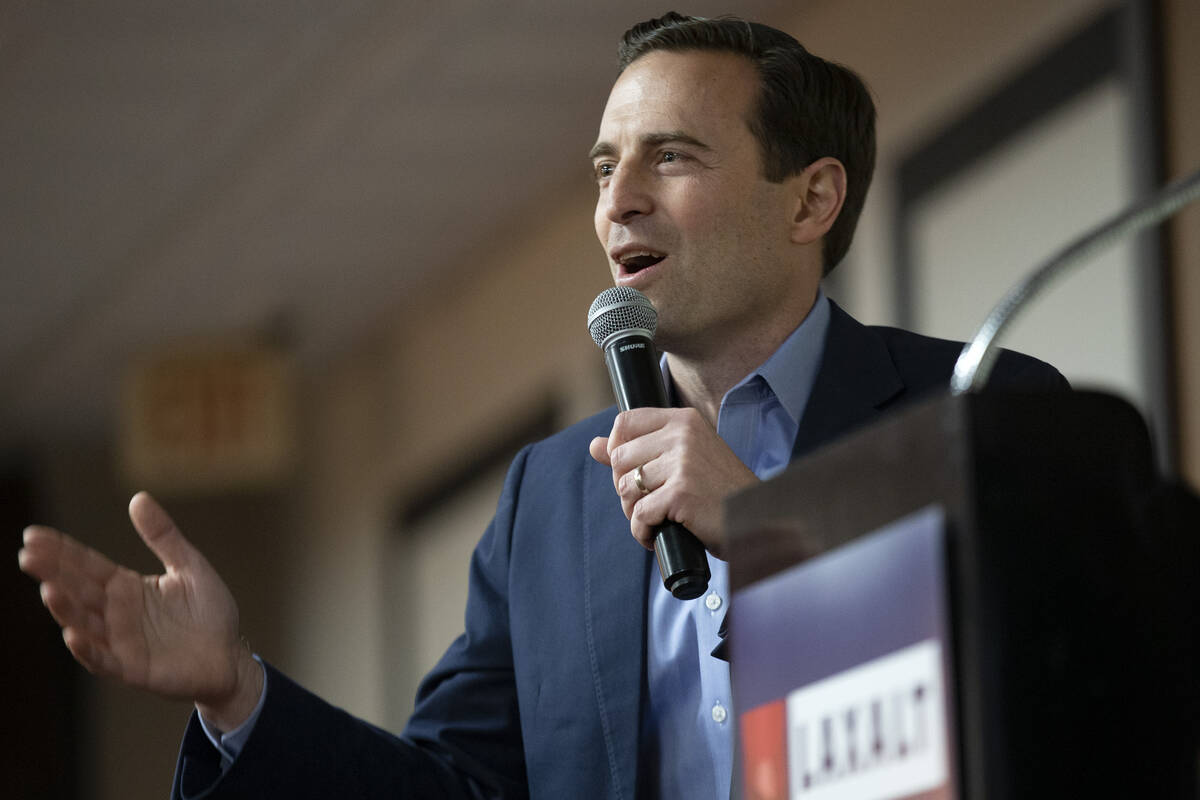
<point>807,108</point>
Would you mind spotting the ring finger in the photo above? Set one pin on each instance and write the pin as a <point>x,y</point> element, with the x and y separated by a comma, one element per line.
<point>629,490</point>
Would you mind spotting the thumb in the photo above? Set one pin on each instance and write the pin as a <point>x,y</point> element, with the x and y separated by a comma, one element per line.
<point>599,450</point>
<point>159,532</point>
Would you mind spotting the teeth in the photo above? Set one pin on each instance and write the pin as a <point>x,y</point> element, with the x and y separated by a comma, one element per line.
<point>627,257</point>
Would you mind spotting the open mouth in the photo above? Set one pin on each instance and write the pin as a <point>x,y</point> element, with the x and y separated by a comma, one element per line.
<point>634,262</point>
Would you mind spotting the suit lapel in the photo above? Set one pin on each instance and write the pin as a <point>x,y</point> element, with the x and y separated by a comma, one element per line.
<point>616,570</point>
<point>857,379</point>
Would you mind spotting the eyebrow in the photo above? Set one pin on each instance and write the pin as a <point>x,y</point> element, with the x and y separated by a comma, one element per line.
<point>649,140</point>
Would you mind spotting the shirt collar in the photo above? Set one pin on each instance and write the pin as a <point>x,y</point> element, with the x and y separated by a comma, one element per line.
<point>792,369</point>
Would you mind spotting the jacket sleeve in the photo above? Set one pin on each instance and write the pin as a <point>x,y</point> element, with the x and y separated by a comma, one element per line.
<point>463,740</point>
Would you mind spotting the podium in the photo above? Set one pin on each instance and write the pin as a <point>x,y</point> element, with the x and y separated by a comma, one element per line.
<point>982,596</point>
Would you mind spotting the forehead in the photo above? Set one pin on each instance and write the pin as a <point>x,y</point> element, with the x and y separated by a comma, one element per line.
<point>698,92</point>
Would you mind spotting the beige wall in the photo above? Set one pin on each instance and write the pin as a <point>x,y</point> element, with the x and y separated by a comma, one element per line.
<point>309,566</point>
<point>925,62</point>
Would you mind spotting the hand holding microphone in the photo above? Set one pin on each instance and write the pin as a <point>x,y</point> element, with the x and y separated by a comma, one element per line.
<point>669,467</point>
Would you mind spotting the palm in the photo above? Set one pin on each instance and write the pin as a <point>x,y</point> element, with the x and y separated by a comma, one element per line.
<point>170,632</point>
<point>174,634</point>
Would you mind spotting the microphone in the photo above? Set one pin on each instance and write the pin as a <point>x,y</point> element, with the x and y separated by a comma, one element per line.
<point>622,322</point>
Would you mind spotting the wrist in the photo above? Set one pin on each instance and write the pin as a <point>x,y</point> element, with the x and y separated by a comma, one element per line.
<point>230,712</point>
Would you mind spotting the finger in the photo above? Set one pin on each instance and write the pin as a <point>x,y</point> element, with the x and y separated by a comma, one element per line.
<point>40,557</point>
<point>74,573</point>
<point>74,600</point>
<point>159,532</point>
<point>643,533</point>
<point>636,422</point>
<point>91,653</point>
<point>624,480</point>
<point>639,452</point>
<point>598,449</point>
<point>649,514</point>
<point>65,609</point>
<point>669,503</point>
<point>49,554</point>
<point>78,589</point>
<point>90,594</point>
<point>652,476</point>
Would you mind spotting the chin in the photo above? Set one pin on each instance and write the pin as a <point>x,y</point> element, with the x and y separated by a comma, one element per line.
<point>669,340</point>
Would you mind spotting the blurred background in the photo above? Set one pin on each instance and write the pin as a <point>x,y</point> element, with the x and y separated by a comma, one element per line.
<point>311,272</point>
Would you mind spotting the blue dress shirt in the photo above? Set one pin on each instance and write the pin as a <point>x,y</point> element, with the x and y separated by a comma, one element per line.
<point>688,730</point>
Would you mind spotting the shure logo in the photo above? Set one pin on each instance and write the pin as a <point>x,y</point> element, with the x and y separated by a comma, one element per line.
<point>634,346</point>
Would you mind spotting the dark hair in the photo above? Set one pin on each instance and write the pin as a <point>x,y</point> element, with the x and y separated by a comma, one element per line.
<point>807,107</point>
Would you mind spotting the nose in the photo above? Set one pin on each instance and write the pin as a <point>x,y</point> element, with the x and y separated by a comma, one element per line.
<point>627,194</point>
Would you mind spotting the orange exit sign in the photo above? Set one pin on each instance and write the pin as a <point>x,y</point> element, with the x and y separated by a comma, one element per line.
<point>209,419</point>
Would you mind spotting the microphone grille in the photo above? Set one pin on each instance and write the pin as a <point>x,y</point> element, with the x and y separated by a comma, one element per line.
<point>619,309</point>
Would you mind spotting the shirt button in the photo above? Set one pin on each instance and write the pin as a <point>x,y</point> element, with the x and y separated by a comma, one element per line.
<point>719,713</point>
<point>713,601</point>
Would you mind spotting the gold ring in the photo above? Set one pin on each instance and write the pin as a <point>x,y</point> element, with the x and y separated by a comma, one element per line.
<point>637,481</point>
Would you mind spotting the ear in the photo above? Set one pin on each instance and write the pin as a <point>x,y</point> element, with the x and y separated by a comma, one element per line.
<point>820,192</point>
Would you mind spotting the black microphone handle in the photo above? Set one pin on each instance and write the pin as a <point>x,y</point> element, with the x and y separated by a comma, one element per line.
<point>637,383</point>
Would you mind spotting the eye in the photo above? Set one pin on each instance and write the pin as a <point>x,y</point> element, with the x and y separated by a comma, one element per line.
<point>604,169</point>
<point>670,156</point>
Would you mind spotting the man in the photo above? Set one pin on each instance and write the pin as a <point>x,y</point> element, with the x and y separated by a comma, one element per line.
<point>731,167</point>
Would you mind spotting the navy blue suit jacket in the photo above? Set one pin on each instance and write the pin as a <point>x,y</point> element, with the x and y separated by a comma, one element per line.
<point>542,694</point>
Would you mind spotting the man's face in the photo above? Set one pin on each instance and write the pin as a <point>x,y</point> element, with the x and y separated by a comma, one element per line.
<point>684,212</point>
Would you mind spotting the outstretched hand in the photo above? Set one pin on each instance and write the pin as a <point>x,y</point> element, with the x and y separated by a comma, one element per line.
<point>174,634</point>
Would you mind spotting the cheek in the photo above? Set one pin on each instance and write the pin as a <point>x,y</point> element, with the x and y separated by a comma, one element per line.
<point>703,207</point>
<point>600,222</point>
<point>762,223</point>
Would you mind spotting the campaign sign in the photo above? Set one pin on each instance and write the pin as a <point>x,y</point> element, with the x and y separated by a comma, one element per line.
<point>841,664</point>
